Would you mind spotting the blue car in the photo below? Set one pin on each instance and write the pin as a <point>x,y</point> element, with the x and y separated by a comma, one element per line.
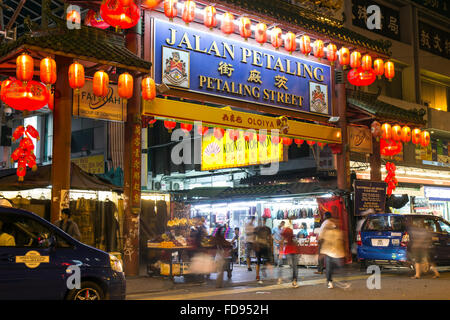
<point>384,239</point>
<point>40,261</point>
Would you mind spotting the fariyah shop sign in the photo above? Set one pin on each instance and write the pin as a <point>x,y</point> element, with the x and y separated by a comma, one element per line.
<point>204,62</point>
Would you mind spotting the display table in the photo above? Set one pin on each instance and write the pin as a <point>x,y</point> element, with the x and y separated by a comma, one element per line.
<point>309,255</point>
<point>172,250</point>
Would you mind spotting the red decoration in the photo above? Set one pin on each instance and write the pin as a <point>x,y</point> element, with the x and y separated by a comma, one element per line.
<point>245,28</point>
<point>366,62</point>
<point>119,16</point>
<point>261,33</point>
<point>219,133</point>
<point>389,70</point>
<point>416,135</point>
<point>335,148</point>
<point>188,11</point>
<point>378,67</point>
<point>261,137</point>
<point>48,71</point>
<point>170,125</point>
<point>321,144</point>
<point>100,84</point>
<point>344,56</point>
<point>375,128</point>
<point>355,60</point>
<point>396,133</point>
<point>93,19</point>
<point>425,138</point>
<point>332,53</point>
<point>248,136</point>
<point>386,131</point>
<point>5,83</point>
<point>318,49</point>
<point>287,141</point>
<point>310,143</point>
<point>276,139</point>
<point>227,26</point>
<point>276,37</point>
<point>186,127</point>
<point>390,178</point>
<point>290,42</point>
<point>151,4</point>
<point>233,134</point>
<point>151,122</point>
<point>359,77</point>
<point>24,153</point>
<point>148,88</point>
<point>170,9</point>
<point>24,67</point>
<point>30,97</point>
<point>406,134</point>
<point>74,17</point>
<point>202,130</point>
<point>209,17</point>
<point>305,44</point>
<point>125,86</point>
<point>299,142</point>
<point>51,101</point>
<point>390,147</point>
<point>76,76</point>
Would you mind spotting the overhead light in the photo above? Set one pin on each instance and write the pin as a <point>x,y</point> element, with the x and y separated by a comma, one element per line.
<point>333,119</point>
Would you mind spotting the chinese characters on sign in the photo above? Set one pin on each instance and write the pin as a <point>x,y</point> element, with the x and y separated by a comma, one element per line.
<point>434,40</point>
<point>136,167</point>
<point>390,19</point>
<point>93,164</point>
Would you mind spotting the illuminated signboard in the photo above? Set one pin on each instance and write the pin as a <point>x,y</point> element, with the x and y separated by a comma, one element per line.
<point>211,64</point>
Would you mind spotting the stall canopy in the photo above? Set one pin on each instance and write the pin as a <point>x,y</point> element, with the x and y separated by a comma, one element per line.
<point>41,178</point>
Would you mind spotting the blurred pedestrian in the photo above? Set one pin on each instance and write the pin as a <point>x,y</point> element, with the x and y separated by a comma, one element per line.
<point>303,232</point>
<point>68,225</point>
<point>277,241</point>
<point>290,248</point>
<point>235,243</point>
<point>249,240</point>
<point>321,259</point>
<point>263,249</point>
<point>223,251</point>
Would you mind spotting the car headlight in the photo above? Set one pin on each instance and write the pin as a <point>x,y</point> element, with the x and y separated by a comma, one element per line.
<point>116,264</point>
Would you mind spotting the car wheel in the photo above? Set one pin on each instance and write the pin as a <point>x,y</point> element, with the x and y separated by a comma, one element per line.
<point>89,291</point>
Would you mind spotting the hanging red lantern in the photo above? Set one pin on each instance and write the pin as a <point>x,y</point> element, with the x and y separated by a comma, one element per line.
<point>366,62</point>
<point>290,42</point>
<point>287,141</point>
<point>219,133</point>
<point>378,67</point>
<point>416,136</point>
<point>209,17</point>
<point>318,49</point>
<point>389,71</point>
<point>188,11</point>
<point>125,86</point>
<point>151,4</point>
<point>245,28</point>
<point>48,71</point>
<point>386,131</point>
<point>359,77</point>
<point>332,53</point>
<point>344,56</point>
<point>233,134</point>
<point>51,101</point>
<point>321,144</point>
<point>406,134</point>
<point>310,143</point>
<point>93,19</point>
<point>355,60</point>
<point>24,67</point>
<point>100,83</point>
<point>299,142</point>
<point>305,44</point>
<point>425,138</point>
<point>261,33</point>
<point>170,125</point>
<point>390,147</point>
<point>261,137</point>
<point>276,139</point>
<point>390,178</point>
<point>119,16</point>
<point>170,9</point>
<point>76,76</point>
<point>202,130</point>
<point>375,128</point>
<point>276,37</point>
<point>396,133</point>
<point>30,97</point>
<point>227,26</point>
<point>4,84</point>
<point>186,127</point>
<point>73,17</point>
<point>248,136</point>
<point>148,88</point>
<point>151,122</point>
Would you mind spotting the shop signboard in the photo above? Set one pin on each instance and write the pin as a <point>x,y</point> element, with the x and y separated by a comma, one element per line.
<point>360,139</point>
<point>434,40</point>
<point>93,164</point>
<point>438,194</point>
<point>227,153</point>
<point>87,105</point>
<point>209,63</point>
<point>369,195</point>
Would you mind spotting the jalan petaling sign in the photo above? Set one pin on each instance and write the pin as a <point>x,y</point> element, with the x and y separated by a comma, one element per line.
<point>203,62</point>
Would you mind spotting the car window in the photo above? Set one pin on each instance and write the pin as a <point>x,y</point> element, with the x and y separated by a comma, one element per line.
<point>428,224</point>
<point>445,227</point>
<point>384,223</point>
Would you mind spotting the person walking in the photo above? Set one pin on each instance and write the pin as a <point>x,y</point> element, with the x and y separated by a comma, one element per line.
<point>249,241</point>
<point>223,250</point>
<point>321,265</point>
<point>289,248</point>
<point>277,241</point>
<point>235,243</point>
<point>68,225</point>
<point>263,248</point>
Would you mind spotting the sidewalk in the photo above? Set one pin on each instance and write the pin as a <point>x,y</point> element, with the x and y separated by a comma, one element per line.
<point>240,277</point>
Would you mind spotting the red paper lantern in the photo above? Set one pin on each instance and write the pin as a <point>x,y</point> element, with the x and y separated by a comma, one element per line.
<point>359,77</point>
<point>188,11</point>
<point>227,26</point>
<point>5,83</point>
<point>416,136</point>
<point>332,53</point>
<point>170,8</point>
<point>261,137</point>
<point>219,133</point>
<point>276,139</point>
<point>276,37</point>
<point>100,83</point>
<point>125,86</point>
<point>290,42</point>
<point>186,127</point>
<point>375,128</point>
<point>389,71</point>
<point>148,88</point>
<point>93,19</point>
<point>318,49</point>
<point>233,134</point>
<point>355,60</point>
<point>321,144</point>
<point>310,143</point>
<point>305,44</point>
<point>202,130</point>
<point>119,16</point>
<point>261,33</point>
<point>209,17</point>
<point>406,134</point>
<point>30,97</point>
<point>248,136</point>
<point>299,142</point>
<point>151,122</point>
<point>396,133</point>
<point>151,4</point>
<point>390,147</point>
<point>366,62</point>
<point>344,56</point>
<point>48,71</point>
<point>245,28</point>
<point>24,67</point>
<point>378,67</point>
<point>386,131</point>
<point>287,141</point>
<point>425,138</point>
<point>76,76</point>
<point>170,125</point>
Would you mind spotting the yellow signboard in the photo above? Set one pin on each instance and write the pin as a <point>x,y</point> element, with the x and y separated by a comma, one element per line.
<point>93,164</point>
<point>87,105</point>
<point>32,259</point>
<point>227,153</point>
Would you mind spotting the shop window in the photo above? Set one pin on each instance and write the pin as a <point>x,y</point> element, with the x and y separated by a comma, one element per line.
<point>435,95</point>
<point>445,227</point>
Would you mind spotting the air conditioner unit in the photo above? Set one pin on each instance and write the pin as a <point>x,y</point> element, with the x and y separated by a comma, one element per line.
<point>176,185</point>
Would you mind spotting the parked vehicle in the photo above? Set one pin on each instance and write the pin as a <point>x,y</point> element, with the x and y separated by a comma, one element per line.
<point>384,238</point>
<point>39,263</point>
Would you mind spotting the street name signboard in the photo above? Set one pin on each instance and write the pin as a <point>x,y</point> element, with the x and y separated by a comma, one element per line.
<point>369,195</point>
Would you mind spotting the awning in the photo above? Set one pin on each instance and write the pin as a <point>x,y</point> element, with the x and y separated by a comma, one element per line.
<point>41,178</point>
